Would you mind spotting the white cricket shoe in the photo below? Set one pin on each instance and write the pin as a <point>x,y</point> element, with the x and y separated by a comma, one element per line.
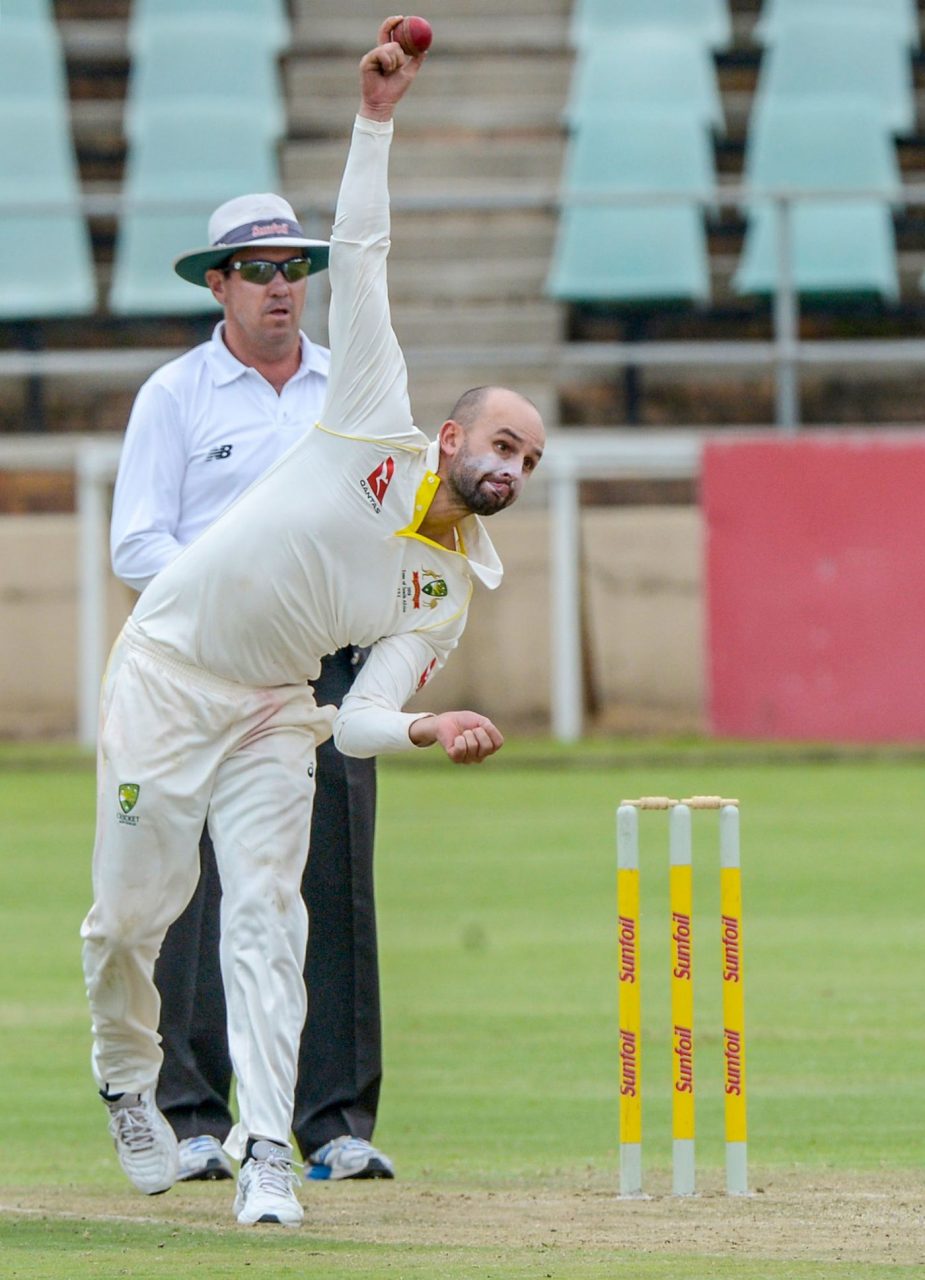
<point>265,1186</point>
<point>203,1159</point>
<point>348,1157</point>
<point>145,1143</point>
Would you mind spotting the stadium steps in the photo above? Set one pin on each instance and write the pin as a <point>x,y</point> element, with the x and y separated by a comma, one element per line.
<point>458,166</point>
<point>520,29</point>
<point>420,324</point>
<point>491,94</point>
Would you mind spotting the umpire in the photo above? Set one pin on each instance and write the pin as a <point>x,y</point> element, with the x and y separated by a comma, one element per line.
<point>202,429</point>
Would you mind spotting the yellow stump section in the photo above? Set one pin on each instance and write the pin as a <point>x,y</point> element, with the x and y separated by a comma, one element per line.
<point>681,952</point>
<point>733,1003</point>
<point>630,1002</point>
<point>630,1010</point>
<point>682,1000</point>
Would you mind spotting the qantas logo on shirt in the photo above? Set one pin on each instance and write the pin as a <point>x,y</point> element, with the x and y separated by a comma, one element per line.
<point>377,482</point>
<point>221,451</point>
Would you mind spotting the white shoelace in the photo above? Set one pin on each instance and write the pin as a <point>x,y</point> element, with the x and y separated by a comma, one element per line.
<point>132,1127</point>
<point>274,1174</point>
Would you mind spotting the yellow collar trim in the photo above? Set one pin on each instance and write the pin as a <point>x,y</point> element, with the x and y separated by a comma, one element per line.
<point>423,499</point>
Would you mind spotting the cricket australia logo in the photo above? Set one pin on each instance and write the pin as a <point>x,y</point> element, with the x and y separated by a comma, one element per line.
<point>421,589</point>
<point>128,798</point>
<point>377,482</point>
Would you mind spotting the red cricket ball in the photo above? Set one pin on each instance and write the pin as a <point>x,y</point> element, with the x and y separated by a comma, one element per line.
<point>414,35</point>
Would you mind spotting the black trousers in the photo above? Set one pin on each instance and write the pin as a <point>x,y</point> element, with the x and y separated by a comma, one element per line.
<point>340,1055</point>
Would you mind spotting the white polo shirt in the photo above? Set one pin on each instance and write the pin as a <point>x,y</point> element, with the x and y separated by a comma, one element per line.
<point>203,428</point>
<point>324,550</point>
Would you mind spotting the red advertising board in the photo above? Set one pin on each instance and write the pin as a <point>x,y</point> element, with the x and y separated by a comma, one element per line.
<point>815,580</point>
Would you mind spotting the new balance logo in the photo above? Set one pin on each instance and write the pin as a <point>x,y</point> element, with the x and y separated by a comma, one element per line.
<point>220,451</point>
<point>377,482</point>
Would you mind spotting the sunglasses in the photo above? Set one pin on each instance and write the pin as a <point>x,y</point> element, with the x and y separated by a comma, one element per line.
<point>260,271</point>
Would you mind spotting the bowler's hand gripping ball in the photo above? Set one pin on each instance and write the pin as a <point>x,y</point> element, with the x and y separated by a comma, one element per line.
<point>414,35</point>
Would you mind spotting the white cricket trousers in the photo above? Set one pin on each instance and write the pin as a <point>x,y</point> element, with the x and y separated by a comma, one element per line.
<point>178,744</point>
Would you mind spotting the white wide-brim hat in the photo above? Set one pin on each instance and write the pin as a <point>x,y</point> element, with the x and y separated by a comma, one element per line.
<point>245,223</point>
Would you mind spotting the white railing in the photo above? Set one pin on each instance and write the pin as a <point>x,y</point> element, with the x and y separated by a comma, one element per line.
<point>569,459</point>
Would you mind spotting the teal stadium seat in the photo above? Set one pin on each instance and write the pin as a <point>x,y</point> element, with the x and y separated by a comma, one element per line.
<point>201,62</point>
<point>197,160</point>
<point>31,61</point>
<point>267,19</point>
<point>707,20</point>
<point>839,246</point>
<point>645,67</point>
<point>640,252</point>
<point>42,11</point>
<point>46,257</point>
<point>899,15</point>
<point>813,57</point>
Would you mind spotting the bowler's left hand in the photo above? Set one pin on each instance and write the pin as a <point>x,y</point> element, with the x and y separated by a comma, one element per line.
<point>466,736</point>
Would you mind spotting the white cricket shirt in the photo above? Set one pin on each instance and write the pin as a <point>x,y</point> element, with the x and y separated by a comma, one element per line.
<point>323,551</point>
<point>202,429</point>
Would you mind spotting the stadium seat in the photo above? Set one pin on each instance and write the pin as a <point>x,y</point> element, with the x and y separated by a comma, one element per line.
<point>846,246</point>
<point>27,10</point>
<point>46,258</point>
<point>707,20</point>
<point>225,151</point>
<point>31,61</point>
<point>267,19</point>
<point>821,143</point>
<point>899,15</point>
<point>636,251</point>
<point>645,67</point>
<point>41,11</point>
<point>810,58</point>
<point>204,62</point>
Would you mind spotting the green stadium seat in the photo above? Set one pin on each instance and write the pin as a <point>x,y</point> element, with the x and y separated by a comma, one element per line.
<point>645,67</point>
<point>643,251</point>
<point>46,258</point>
<point>863,57</point>
<point>199,62</point>
<point>267,19</point>
<point>899,15</point>
<point>196,162</point>
<point>839,246</point>
<point>707,20</point>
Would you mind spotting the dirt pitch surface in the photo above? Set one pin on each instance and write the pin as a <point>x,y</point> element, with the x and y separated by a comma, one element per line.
<point>876,1218</point>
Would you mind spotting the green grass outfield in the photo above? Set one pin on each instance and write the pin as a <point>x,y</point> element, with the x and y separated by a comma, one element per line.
<point>497,935</point>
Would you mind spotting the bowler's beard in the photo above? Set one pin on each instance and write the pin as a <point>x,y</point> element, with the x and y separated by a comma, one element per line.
<point>464,478</point>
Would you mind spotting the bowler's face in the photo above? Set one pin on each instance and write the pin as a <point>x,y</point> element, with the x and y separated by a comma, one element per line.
<point>260,316</point>
<point>498,454</point>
